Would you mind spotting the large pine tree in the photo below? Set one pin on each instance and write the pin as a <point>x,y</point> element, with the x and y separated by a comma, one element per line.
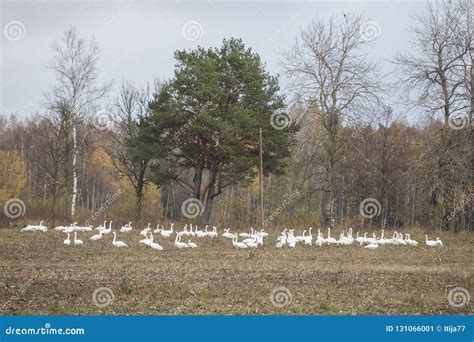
<point>208,118</point>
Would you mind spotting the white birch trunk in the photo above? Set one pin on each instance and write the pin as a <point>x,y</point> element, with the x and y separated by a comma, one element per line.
<point>74,171</point>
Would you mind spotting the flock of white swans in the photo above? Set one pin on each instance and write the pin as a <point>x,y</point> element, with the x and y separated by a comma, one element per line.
<point>252,239</point>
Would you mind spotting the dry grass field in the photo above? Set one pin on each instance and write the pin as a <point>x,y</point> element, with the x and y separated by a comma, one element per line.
<point>39,275</point>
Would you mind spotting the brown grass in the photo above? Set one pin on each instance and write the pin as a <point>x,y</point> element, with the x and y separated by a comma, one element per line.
<point>39,275</point>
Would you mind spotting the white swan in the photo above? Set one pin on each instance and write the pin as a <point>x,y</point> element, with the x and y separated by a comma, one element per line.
<point>60,228</point>
<point>67,242</point>
<point>167,233</point>
<point>410,241</point>
<point>118,243</point>
<point>178,243</point>
<point>430,243</point>
<point>77,242</point>
<point>247,235</point>
<point>200,233</point>
<point>102,226</point>
<point>227,234</point>
<point>97,236</point>
<point>157,230</point>
<point>147,241</point>
<point>238,244</point>
<point>126,228</point>
<point>372,246</point>
<point>107,230</point>
<point>301,238</point>
<point>252,244</point>
<point>213,234</point>
<point>192,244</point>
<point>154,245</point>
<point>145,231</point>
<point>308,241</point>
<point>329,240</point>
<point>439,242</point>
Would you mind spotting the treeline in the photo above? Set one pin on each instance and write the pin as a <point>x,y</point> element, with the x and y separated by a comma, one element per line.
<point>337,151</point>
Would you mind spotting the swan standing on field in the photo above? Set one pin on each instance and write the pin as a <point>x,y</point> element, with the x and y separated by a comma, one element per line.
<point>77,242</point>
<point>107,230</point>
<point>372,246</point>
<point>60,228</point>
<point>41,228</point>
<point>308,241</point>
<point>157,230</point>
<point>430,243</point>
<point>200,233</point>
<point>330,240</point>
<point>290,239</point>
<point>213,234</point>
<point>319,239</point>
<point>147,241</point>
<point>227,234</point>
<point>252,244</point>
<point>118,243</point>
<point>67,242</point>
<point>238,244</point>
<point>247,235</point>
<point>154,245</point>
<point>178,243</point>
<point>410,241</point>
<point>97,236</point>
<point>126,228</point>
<point>300,238</point>
<point>145,231</point>
<point>167,233</point>
<point>192,244</point>
<point>439,242</point>
<point>102,227</point>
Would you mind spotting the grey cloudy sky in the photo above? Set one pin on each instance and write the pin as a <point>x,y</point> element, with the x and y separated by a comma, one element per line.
<point>138,38</point>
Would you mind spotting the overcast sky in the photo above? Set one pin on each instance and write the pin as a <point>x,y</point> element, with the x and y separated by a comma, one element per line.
<point>138,38</point>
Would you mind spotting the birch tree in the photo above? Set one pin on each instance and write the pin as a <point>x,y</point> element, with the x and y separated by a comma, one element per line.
<point>74,65</point>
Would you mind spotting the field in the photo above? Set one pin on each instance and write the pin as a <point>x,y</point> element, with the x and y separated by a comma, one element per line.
<point>39,275</point>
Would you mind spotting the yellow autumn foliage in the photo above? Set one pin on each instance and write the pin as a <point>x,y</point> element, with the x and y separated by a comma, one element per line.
<point>12,175</point>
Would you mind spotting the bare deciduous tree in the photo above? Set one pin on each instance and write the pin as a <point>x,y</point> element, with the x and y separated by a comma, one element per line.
<point>328,67</point>
<point>74,64</point>
<point>130,160</point>
<point>437,74</point>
